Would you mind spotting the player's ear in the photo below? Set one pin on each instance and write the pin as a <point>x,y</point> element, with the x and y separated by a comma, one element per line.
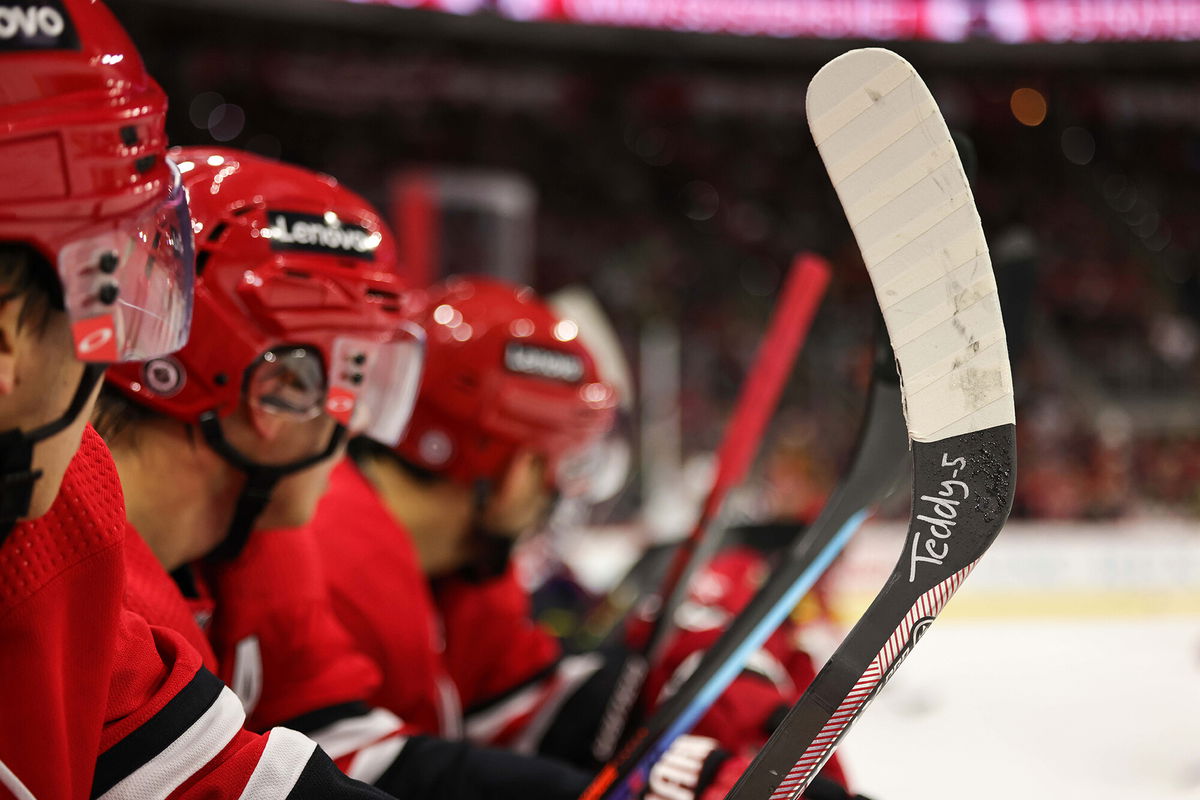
<point>10,318</point>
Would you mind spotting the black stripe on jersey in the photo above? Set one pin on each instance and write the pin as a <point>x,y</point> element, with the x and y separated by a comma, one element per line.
<point>156,734</point>
<point>538,677</point>
<point>321,780</point>
<point>324,717</point>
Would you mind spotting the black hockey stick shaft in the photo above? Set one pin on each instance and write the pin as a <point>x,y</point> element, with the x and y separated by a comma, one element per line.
<point>962,493</point>
<point>877,464</point>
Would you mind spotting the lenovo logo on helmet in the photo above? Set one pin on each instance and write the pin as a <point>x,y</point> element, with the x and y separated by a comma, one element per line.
<point>320,234</point>
<point>40,25</point>
<point>553,364</point>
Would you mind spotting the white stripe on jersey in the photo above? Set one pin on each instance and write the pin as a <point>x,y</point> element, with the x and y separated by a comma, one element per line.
<point>371,762</point>
<point>347,735</point>
<point>283,760</point>
<point>185,756</point>
<point>247,679</point>
<point>546,696</point>
<point>10,781</point>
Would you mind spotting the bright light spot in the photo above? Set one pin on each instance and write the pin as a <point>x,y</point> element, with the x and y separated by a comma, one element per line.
<point>250,277</point>
<point>566,330</point>
<point>114,58</point>
<point>331,218</point>
<point>595,393</point>
<point>216,161</point>
<point>186,166</point>
<point>443,314</point>
<point>374,240</point>
<point>1028,106</point>
<point>265,233</point>
<point>462,332</point>
<point>134,386</point>
<point>521,328</point>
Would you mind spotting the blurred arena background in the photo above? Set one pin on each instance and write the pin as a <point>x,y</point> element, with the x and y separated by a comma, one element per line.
<point>656,152</point>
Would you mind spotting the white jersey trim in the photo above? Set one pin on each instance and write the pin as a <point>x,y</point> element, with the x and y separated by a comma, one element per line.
<point>544,697</point>
<point>347,735</point>
<point>10,781</point>
<point>371,762</point>
<point>283,760</point>
<point>247,679</point>
<point>185,756</point>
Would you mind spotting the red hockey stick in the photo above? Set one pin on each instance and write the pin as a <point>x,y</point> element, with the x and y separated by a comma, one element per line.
<point>756,403</point>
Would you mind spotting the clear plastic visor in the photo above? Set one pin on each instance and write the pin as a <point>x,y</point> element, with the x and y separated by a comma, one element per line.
<point>596,472</point>
<point>373,385</point>
<point>128,284</point>
<point>369,386</point>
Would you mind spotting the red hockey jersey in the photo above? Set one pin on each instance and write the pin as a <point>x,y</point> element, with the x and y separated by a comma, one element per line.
<point>97,703</point>
<point>489,647</point>
<point>267,631</point>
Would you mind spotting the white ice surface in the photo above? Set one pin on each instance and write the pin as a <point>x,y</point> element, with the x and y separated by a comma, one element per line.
<point>1087,709</point>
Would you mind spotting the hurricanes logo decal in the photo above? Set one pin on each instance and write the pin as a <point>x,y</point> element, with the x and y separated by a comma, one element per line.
<point>163,376</point>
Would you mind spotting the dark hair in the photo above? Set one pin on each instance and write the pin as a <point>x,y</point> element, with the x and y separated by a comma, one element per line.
<point>116,416</point>
<point>363,450</point>
<point>25,273</point>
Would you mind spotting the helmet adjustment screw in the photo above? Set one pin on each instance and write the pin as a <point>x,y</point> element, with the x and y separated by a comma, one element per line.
<point>360,358</point>
<point>356,378</point>
<point>108,262</point>
<point>108,293</point>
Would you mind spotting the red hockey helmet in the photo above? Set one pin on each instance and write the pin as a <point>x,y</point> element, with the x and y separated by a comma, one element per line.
<point>85,181</point>
<point>298,309</point>
<point>298,306</point>
<point>504,373</point>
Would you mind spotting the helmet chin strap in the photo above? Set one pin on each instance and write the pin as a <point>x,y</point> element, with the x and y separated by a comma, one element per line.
<point>260,482</point>
<point>492,550</point>
<point>17,475</point>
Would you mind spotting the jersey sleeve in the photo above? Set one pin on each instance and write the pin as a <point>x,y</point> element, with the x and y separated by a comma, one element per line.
<point>279,645</point>
<point>175,731</point>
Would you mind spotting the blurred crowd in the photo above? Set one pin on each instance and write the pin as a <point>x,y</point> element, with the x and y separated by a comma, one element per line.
<point>679,192</point>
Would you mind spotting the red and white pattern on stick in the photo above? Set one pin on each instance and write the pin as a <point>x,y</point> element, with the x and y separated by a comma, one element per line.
<point>927,607</point>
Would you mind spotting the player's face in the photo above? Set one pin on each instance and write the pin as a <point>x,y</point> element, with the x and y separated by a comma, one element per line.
<point>520,503</point>
<point>268,437</point>
<point>39,376</point>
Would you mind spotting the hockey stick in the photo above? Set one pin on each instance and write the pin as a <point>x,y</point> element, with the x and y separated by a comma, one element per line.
<point>895,169</point>
<point>877,464</point>
<point>755,404</point>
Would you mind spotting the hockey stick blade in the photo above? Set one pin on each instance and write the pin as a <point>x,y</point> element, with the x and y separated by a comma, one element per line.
<point>876,466</point>
<point>895,168</point>
<point>785,335</point>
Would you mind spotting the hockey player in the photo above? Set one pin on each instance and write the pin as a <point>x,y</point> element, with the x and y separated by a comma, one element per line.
<point>415,540</point>
<point>96,266</point>
<point>223,449</point>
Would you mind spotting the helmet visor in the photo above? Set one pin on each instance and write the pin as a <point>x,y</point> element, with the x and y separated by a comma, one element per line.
<point>373,384</point>
<point>290,381</point>
<point>128,284</point>
<point>596,472</point>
